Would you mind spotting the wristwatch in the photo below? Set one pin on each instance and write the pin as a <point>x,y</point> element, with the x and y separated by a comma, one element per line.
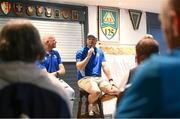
<point>57,73</point>
<point>110,79</point>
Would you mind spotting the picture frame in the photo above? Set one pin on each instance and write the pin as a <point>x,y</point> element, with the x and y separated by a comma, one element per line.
<point>108,28</point>
<point>75,15</point>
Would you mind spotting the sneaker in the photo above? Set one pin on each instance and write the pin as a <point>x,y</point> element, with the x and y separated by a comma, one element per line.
<point>90,108</point>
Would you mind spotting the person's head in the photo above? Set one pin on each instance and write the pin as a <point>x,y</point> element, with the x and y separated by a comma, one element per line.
<point>91,40</point>
<point>146,47</point>
<point>20,41</point>
<point>170,22</point>
<point>49,41</point>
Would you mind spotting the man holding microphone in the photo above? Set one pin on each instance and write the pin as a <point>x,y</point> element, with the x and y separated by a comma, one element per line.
<point>89,61</point>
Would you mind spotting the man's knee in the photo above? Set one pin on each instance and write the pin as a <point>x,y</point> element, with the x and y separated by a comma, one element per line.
<point>95,92</point>
<point>111,90</point>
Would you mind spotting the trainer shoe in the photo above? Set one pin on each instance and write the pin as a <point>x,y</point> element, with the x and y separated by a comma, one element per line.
<point>90,109</point>
<point>96,108</point>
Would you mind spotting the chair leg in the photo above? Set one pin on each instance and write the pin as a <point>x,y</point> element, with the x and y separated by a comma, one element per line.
<point>87,106</point>
<point>79,107</point>
<point>100,108</point>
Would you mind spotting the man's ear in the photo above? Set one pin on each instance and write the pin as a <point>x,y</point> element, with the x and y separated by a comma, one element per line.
<point>175,23</point>
<point>46,42</point>
<point>137,59</point>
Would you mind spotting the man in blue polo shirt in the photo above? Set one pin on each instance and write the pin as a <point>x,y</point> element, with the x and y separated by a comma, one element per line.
<point>52,60</point>
<point>52,63</point>
<point>89,61</point>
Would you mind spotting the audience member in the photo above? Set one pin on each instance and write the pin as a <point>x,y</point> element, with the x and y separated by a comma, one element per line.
<point>144,49</point>
<point>20,47</point>
<point>155,90</point>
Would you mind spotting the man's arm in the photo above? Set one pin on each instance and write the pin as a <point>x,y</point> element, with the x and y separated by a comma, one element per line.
<point>82,64</point>
<point>106,70</point>
<point>61,70</point>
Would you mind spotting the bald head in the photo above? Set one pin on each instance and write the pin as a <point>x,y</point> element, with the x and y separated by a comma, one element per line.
<point>47,37</point>
<point>49,42</point>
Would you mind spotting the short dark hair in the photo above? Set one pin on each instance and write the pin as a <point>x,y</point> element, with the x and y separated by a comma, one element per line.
<point>147,46</point>
<point>20,41</point>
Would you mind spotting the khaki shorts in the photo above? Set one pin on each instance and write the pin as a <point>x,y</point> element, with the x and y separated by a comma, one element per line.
<point>96,82</point>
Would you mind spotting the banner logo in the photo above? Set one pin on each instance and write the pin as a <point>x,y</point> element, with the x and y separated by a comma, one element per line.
<point>109,22</point>
<point>135,16</point>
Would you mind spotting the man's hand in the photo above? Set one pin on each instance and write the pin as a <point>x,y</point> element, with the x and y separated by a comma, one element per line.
<point>90,52</point>
<point>54,74</point>
<point>112,83</point>
<point>114,88</point>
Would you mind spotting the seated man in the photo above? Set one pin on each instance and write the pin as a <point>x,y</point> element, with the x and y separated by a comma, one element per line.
<point>146,47</point>
<point>53,64</point>
<point>89,61</point>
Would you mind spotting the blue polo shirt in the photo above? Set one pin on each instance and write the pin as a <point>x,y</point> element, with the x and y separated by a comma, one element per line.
<point>93,67</point>
<point>51,61</point>
<point>39,65</point>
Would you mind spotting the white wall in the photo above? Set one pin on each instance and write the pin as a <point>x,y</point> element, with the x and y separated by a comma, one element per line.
<point>128,36</point>
<point>92,19</point>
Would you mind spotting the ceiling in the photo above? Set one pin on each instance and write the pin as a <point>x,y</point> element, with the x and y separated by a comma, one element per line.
<point>144,5</point>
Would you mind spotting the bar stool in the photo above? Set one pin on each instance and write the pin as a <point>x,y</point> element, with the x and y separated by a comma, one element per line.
<point>83,93</point>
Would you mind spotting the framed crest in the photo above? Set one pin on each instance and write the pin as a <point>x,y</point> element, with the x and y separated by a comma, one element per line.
<point>18,8</point>
<point>65,13</point>
<point>75,15</point>
<point>48,11</point>
<point>108,24</point>
<point>39,10</point>
<point>30,10</point>
<point>56,13</point>
<point>6,7</point>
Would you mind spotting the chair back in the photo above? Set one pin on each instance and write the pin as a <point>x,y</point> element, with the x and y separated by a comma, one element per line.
<point>27,100</point>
